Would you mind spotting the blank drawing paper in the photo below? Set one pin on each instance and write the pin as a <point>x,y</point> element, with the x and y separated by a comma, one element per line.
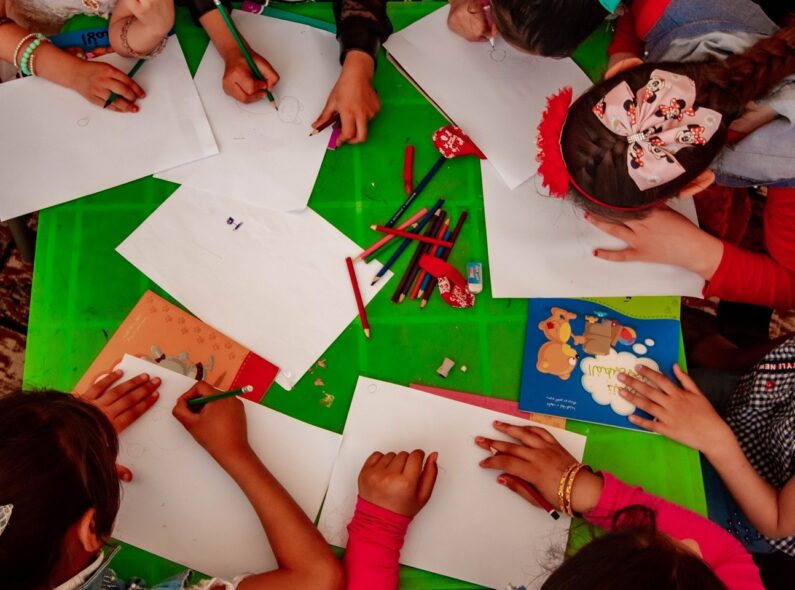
<point>273,281</point>
<point>60,147</point>
<point>541,246</point>
<point>183,506</point>
<point>496,95</point>
<point>472,528</point>
<point>267,156</point>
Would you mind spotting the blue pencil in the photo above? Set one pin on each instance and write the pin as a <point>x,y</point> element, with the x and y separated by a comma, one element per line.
<point>427,279</point>
<point>423,183</point>
<point>407,241</point>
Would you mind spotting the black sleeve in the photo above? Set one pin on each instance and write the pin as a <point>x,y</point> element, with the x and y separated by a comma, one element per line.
<point>199,8</point>
<point>361,24</point>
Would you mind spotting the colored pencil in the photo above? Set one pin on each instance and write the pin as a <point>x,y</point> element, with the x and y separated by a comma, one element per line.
<point>200,401</point>
<point>426,279</point>
<point>442,230</point>
<point>244,50</point>
<point>358,295</point>
<point>113,96</point>
<point>326,125</point>
<point>408,170</point>
<point>404,234</point>
<point>445,256</point>
<point>406,241</point>
<point>386,239</point>
<point>411,270</point>
<point>489,22</point>
<point>416,192</point>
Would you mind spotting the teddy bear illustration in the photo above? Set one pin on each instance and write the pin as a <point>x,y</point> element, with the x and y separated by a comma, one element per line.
<point>181,363</point>
<point>557,357</point>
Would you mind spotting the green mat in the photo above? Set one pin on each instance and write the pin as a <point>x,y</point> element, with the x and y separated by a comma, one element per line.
<point>82,290</point>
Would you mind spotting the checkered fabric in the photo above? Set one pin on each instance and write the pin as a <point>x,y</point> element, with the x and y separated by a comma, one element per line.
<point>762,415</point>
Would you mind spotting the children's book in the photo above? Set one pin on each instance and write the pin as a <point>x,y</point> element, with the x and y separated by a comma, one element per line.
<point>576,348</point>
<point>161,333</point>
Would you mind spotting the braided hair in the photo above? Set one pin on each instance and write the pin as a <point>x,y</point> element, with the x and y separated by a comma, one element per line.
<point>597,158</point>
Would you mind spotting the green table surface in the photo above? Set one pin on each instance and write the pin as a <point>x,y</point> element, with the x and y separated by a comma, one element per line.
<point>82,290</point>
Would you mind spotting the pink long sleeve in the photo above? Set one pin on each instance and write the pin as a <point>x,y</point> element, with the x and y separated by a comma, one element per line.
<point>722,552</point>
<point>375,537</point>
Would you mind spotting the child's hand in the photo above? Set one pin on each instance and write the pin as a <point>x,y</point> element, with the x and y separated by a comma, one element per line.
<point>125,403</point>
<point>663,236</point>
<point>241,84</point>
<point>219,426</point>
<point>157,15</point>
<point>680,413</point>
<point>398,482</point>
<point>96,81</point>
<point>754,117</point>
<point>467,19</point>
<point>539,459</point>
<point>353,97</point>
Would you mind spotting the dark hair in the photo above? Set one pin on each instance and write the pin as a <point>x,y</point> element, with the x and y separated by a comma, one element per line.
<point>57,460</point>
<point>597,158</point>
<point>633,555</point>
<point>553,28</point>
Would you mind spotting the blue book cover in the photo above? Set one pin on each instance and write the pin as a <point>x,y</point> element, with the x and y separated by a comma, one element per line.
<point>576,348</point>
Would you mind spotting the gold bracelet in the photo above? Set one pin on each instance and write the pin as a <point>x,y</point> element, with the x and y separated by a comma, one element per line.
<point>126,44</point>
<point>19,46</point>
<point>569,486</point>
<point>562,485</point>
<point>32,59</point>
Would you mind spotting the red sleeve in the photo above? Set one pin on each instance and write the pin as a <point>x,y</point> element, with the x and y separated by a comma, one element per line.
<point>626,39</point>
<point>763,279</point>
<point>724,554</point>
<point>375,537</point>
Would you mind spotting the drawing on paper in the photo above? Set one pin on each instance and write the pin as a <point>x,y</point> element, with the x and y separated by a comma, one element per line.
<point>231,221</point>
<point>498,55</point>
<point>83,122</point>
<point>289,112</point>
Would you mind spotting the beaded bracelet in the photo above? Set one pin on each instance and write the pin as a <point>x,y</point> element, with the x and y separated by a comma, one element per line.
<point>32,59</point>
<point>19,46</point>
<point>23,63</point>
<point>125,28</point>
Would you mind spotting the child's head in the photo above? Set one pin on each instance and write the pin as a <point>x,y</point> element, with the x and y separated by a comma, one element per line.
<point>57,468</point>
<point>553,28</point>
<point>634,555</point>
<point>601,161</point>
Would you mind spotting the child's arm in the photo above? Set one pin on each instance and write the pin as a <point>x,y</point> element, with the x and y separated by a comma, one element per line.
<point>393,488</point>
<point>467,19</point>
<point>304,558</point>
<point>362,26</point>
<point>626,43</point>
<point>537,458</point>
<point>139,28</point>
<point>94,81</point>
<point>685,415</point>
<point>239,82</point>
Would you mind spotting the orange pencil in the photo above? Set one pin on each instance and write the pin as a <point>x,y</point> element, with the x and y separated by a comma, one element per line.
<point>418,237</point>
<point>358,295</point>
<point>386,239</point>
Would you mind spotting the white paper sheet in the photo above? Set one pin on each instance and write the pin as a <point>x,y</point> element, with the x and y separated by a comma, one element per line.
<point>497,96</point>
<point>276,284</point>
<point>57,146</point>
<point>267,157</point>
<point>542,247</point>
<point>183,506</point>
<point>472,528</point>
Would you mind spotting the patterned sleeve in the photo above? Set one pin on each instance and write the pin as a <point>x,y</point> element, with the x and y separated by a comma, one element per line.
<point>362,25</point>
<point>199,8</point>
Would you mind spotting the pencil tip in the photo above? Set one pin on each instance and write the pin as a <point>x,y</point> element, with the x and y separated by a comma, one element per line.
<point>367,332</point>
<point>314,132</point>
<point>374,281</point>
<point>423,303</point>
<point>420,293</point>
<point>401,298</point>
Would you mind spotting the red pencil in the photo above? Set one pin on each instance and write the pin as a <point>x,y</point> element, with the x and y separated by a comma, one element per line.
<point>408,170</point>
<point>416,290</point>
<point>358,295</point>
<point>404,234</point>
<point>410,224</point>
<point>327,124</point>
<point>530,489</point>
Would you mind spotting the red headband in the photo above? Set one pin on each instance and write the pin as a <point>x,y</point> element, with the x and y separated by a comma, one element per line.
<point>552,167</point>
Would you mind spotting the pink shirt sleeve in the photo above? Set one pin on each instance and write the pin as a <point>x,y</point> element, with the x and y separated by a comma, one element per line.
<point>375,537</point>
<point>722,552</point>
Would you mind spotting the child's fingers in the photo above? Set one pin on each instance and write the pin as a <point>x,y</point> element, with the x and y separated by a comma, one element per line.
<point>384,461</point>
<point>131,414</point>
<point>686,380</point>
<point>123,473</point>
<point>413,466</point>
<point>507,463</point>
<point>521,434</point>
<point>271,76</point>
<point>625,255</point>
<point>100,386</point>
<point>129,82</point>
<point>499,446</point>
<point>182,410</point>
<point>617,230</point>
<point>543,433</point>
<point>662,382</point>
<point>120,105</point>
<point>399,462</point>
<point>120,88</point>
<point>135,395</point>
<point>428,478</point>
<point>325,115</point>
<point>651,425</point>
<point>121,390</point>
<point>372,459</point>
<point>348,129</point>
<point>646,390</point>
<point>641,402</point>
<point>517,486</point>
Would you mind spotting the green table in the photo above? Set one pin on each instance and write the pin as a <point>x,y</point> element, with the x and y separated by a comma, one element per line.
<point>82,290</point>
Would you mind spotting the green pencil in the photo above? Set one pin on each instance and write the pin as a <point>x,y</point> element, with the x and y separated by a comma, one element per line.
<point>244,50</point>
<point>113,96</point>
<point>200,401</point>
